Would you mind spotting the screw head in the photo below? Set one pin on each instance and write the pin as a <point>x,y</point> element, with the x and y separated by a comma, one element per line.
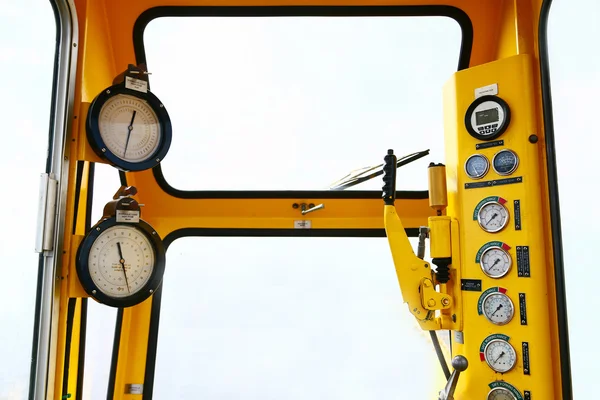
<point>94,291</point>
<point>104,149</point>
<point>151,291</point>
<point>108,92</point>
<point>431,302</point>
<point>98,229</point>
<point>445,301</point>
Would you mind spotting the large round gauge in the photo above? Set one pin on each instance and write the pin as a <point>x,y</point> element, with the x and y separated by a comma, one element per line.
<point>498,308</point>
<point>500,355</point>
<point>500,393</point>
<point>129,129</point>
<point>492,217</point>
<point>495,262</point>
<point>477,166</point>
<point>487,117</point>
<point>505,162</point>
<point>121,264</point>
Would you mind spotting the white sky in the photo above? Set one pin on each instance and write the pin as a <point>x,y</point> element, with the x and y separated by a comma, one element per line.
<point>278,356</point>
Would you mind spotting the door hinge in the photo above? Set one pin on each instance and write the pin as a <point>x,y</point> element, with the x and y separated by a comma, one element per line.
<point>46,213</point>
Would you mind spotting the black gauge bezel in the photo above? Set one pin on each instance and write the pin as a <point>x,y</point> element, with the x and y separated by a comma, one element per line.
<point>512,305</point>
<point>97,143</point>
<point>500,129</point>
<point>515,166</point>
<point>487,168</point>
<point>83,272</point>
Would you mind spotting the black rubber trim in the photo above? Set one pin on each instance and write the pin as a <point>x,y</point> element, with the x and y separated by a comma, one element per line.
<point>115,356</point>
<point>69,336</point>
<point>152,343</point>
<point>36,327</point>
<point>78,179</point>
<point>557,247</point>
<point>82,336</point>
<point>293,11</point>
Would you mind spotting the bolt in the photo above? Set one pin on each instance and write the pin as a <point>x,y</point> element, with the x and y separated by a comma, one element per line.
<point>93,291</point>
<point>295,205</point>
<point>445,301</point>
<point>431,302</point>
<point>104,149</point>
<point>427,283</point>
<point>108,92</point>
<point>151,291</point>
<point>158,160</point>
<point>98,229</point>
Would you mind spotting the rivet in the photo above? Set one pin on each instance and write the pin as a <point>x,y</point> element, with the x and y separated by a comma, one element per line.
<point>98,229</point>
<point>151,291</point>
<point>94,291</point>
<point>108,92</point>
<point>104,150</point>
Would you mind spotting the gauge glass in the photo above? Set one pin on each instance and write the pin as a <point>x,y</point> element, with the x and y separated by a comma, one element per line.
<point>500,355</point>
<point>121,261</point>
<point>495,262</point>
<point>505,162</point>
<point>492,217</point>
<point>500,394</point>
<point>129,128</point>
<point>498,308</point>
<point>477,166</point>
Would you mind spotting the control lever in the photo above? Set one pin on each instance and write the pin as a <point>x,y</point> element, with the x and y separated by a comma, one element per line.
<point>459,363</point>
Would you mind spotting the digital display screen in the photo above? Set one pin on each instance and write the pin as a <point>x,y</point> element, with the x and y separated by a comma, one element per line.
<point>487,116</point>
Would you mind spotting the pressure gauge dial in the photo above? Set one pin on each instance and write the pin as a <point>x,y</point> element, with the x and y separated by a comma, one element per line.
<point>505,162</point>
<point>129,129</point>
<point>120,264</point>
<point>492,217</point>
<point>477,166</point>
<point>498,308</point>
<point>500,355</point>
<point>495,262</point>
<point>500,393</point>
<point>487,117</point>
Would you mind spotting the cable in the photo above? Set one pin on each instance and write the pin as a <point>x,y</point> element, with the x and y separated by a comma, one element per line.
<point>440,355</point>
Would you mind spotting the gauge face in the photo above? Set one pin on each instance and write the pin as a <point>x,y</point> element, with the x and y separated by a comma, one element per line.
<point>500,394</point>
<point>477,166</point>
<point>120,264</point>
<point>495,262</point>
<point>121,261</point>
<point>492,217</point>
<point>505,162</point>
<point>498,308</point>
<point>487,117</point>
<point>500,355</point>
<point>129,128</point>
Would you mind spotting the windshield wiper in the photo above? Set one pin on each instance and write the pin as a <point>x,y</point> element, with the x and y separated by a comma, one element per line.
<point>364,174</point>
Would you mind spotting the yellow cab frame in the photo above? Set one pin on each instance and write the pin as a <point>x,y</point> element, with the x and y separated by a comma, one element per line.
<point>504,42</point>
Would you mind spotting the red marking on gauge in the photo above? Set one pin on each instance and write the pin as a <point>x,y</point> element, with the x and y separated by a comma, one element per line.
<point>501,290</point>
<point>505,246</point>
<point>482,356</point>
<point>501,200</point>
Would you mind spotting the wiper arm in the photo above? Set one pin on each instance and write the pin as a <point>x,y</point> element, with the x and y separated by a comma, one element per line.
<point>364,174</point>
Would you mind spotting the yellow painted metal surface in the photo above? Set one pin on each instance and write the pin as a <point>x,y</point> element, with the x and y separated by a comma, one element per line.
<point>515,79</point>
<point>504,30</point>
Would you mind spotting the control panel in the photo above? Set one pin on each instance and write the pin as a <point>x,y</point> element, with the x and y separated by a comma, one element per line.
<point>493,160</point>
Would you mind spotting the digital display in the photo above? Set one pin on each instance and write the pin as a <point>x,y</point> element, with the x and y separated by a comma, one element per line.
<point>487,116</point>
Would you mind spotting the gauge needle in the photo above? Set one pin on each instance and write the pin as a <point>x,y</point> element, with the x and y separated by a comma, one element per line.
<point>493,216</point>
<point>494,264</point>
<point>499,357</point>
<point>129,129</point>
<point>497,309</point>
<point>122,261</point>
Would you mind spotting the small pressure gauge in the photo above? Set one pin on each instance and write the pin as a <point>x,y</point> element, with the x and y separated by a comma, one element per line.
<point>500,355</point>
<point>495,262</point>
<point>487,117</point>
<point>492,216</point>
<point>477,166</point>
<point>505,162</point>
<point>500,393</point>
<point>498,308</point>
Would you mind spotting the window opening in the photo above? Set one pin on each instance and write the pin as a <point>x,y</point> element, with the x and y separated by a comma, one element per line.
<point>296,103</point>
<point>293,318</point>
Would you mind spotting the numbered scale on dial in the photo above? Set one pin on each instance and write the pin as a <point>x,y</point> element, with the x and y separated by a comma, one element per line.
<point>498,308</point>
<point>493,216</point>
<point>500,355</point>
<point>495,262</point>
<point>500,394</point>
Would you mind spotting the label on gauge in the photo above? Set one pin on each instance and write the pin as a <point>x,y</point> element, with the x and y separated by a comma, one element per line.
<point>486,246</point>
<point>489,339</point>
<point>508,387</point>
<point>484,295</point>
<point>523,269</point>
<point>136,84</point>
<point>497,199</point>
<point>128,216</point>
<point>526,369</point>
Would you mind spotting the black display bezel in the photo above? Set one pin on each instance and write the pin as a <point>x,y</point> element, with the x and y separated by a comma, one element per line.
<point>500,129</point>
<point>97,143</point>
<point>83,272</point>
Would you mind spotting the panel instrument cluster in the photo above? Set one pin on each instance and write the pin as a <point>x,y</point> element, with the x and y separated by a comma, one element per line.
<point>491,120</point>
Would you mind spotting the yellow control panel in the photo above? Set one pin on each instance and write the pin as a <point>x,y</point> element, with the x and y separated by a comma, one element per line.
<point>494,164</point>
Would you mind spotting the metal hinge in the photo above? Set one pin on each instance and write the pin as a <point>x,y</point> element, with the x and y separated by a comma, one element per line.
<point>46,213</point>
